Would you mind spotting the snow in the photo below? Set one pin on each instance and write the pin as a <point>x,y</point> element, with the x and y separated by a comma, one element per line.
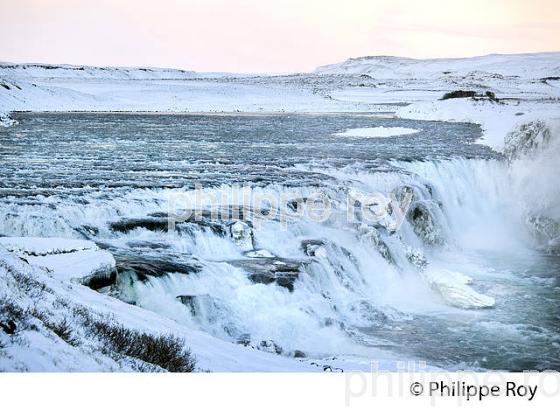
<point>25,246</point>
<point>532,66</point>
<point>496,119</point>
<point>377,132</point>
<point>67,88</point>
<point>76,265</point>
<point>65,259</point>
<point>5,120</point>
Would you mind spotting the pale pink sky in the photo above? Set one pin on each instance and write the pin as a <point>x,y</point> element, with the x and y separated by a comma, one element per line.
<point>273,36</point>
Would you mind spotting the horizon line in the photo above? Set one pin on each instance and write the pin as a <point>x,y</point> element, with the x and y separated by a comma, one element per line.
<point>186,70</point>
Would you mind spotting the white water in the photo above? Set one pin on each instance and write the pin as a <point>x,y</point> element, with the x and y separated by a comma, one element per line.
<point>338,294</point>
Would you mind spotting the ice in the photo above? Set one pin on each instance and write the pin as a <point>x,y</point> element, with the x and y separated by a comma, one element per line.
<point>455,290</point>
<point>377,132</point>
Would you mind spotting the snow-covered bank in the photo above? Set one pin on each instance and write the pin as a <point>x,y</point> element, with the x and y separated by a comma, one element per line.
<point>66,259</point>
<point>497,120</point>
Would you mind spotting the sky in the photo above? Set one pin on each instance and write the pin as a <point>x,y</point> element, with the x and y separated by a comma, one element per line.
<point>268,36</point>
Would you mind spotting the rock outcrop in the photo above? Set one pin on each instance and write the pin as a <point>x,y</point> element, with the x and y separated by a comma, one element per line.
<point>283,272</point>
<point>526,139</point>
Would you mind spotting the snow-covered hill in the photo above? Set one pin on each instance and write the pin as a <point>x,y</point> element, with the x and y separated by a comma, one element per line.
<point>526,66</point>
<point>66,71</point>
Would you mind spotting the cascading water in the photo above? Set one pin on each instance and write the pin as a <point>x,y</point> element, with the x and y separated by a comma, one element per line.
<point>455,282</point>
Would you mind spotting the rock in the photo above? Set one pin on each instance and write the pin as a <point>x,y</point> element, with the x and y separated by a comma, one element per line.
<point>100,279</point>
<point>87,231</point>
<point>470,94</point>
<point>297,204</point>
<point>197,302</point>
<point>526,140</point>
<point>259,253</point>
<point>330,322</point>
<point>329,368</point>
<point>491,96</point>
<point>546,231</point>
<point>269,346</point>
<point>283,272</point>
<point>313,206</point>
<point>148,245</point>
<point>382,247</point>
<point>244,340</point>
<point>144,265</point>
<point>379,243</point>
<point>6,120</point>
<point>459,94</point>
<point>9,327</point>
<point>299,354</point>
<point>242,234</point>
<point>149,223</point>
<point>421,217</point>
<point>314,248</point>
<point>162,222</point>
<point>417,258</point>
<point>380,211</point>
<point>404,195</point>
<point>221,214</point>
<point>367,311</point>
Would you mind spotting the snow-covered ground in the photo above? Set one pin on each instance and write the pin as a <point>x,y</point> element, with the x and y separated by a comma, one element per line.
<point>522,88</point>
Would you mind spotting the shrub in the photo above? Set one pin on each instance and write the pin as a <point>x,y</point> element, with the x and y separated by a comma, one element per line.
<point>29,285</point>
<point>166,351</point>
<point>10,311</point>
<point>458,94</point>
<point>469,94</point>
<point>491,96</point>
<point>63,330</point>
